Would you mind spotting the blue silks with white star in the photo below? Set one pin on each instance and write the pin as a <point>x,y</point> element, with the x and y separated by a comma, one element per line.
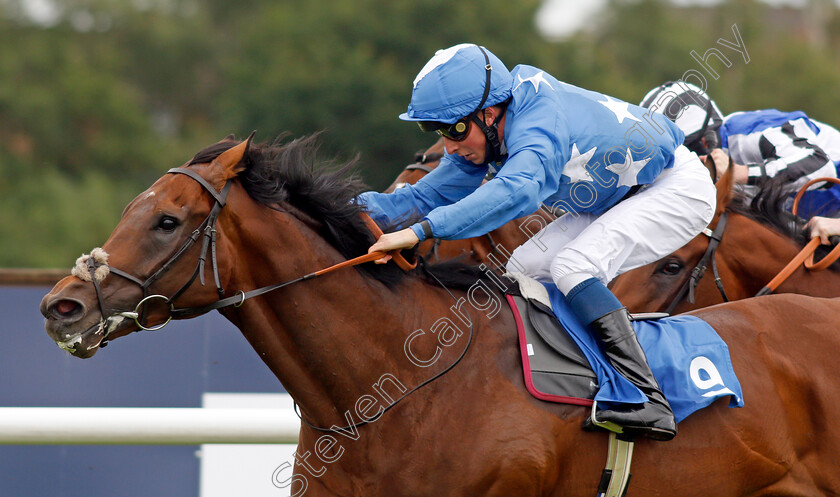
<point>569,148</point>
<point>687,356</point>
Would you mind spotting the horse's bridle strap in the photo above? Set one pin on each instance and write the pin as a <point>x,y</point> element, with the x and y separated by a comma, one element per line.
<point>208,226</point>
<point>220,198</point>
<point>419,167</point>
<point>698,271</point>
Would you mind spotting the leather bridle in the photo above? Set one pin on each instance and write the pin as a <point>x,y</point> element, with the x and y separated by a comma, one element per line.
<point>420,164</point>
<point>206,230</point>
<point>687,289</point>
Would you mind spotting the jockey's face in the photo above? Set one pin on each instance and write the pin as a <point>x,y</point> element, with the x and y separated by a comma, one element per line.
<point>473,147</point>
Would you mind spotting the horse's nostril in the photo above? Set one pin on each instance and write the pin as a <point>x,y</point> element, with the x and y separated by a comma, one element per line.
<point>65,308</point>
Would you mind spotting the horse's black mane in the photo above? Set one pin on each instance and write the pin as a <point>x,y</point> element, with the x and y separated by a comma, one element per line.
<point>289,172</point>
<point>768,206</point>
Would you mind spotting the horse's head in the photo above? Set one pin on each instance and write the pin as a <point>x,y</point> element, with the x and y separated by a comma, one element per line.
<point>663,285</point>
<point>163,242</point>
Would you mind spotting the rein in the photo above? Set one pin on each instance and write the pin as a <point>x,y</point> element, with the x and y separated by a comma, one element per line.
<point>207,227</point>
<point>421,161</point>
<point>806,255</point>
<point>238,299</point>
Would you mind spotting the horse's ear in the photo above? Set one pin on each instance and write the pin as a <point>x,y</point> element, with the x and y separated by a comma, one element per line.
<point>724,187</point>
<point>230,162</point>
<point>709,162</point>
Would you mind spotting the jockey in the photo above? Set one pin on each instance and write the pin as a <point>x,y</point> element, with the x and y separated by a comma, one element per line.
<point>762,143</point>
<point>632,193</point>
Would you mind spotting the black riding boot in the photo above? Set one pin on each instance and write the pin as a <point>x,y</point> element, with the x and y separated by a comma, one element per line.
<point>621,346</point>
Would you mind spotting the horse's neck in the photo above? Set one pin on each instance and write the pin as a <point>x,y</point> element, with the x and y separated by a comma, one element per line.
<point>329,340</point>
<point>756,254</point>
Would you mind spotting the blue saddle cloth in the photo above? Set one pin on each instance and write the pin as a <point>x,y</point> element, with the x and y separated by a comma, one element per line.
<point>687,356</point>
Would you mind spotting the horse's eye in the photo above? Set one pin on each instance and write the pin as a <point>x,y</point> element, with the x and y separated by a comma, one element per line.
<point>167,224</point>
<point>671,268</point>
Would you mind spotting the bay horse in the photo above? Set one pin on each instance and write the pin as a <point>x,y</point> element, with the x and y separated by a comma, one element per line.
<point>410,387</point>
<point>492,249</point>
<point>756,238</point>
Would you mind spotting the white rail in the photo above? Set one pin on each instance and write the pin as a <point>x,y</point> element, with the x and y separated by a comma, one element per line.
<point>146,426</point>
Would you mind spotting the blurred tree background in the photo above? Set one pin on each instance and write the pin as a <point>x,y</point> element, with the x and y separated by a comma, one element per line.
<point>99,97</point>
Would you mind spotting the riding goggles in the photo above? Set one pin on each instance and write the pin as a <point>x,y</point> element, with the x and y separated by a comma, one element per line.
<point>455,132</point>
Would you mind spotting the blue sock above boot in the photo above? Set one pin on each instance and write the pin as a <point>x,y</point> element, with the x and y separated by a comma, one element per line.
<point>590,299</point>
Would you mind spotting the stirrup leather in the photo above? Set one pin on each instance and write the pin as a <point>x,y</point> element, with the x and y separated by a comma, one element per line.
<point>616,475</point>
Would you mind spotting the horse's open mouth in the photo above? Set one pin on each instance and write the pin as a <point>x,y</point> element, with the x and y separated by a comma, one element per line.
<point>86,343</point>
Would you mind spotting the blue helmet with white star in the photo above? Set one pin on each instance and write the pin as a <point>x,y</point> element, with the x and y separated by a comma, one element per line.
<point>451,85</point>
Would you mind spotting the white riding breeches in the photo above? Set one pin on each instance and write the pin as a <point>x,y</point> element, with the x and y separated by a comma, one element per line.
<point>639,230</point>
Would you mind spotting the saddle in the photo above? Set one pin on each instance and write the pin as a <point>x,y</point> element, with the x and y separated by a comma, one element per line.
<point>562,362</point>
<point>556,370</point>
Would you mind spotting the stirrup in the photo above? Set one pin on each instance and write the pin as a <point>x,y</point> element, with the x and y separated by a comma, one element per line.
<point>606,425</point>
<point>651,432</point>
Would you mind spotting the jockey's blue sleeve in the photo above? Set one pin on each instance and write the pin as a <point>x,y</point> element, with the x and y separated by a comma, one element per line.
<point>446,184</point>
<point>516,191</point>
